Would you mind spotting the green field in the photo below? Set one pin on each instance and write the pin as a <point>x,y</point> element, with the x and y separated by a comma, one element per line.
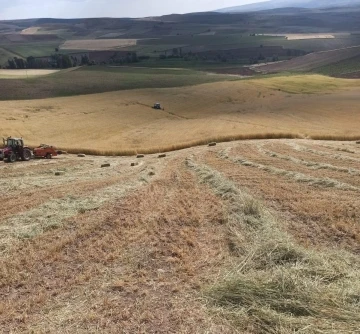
<point>33,49</point>
<point>90,80</point>
<point>5,55</point>
<point>340,68</point>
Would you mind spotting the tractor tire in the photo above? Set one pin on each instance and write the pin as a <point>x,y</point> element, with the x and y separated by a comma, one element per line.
<point>11,158</point>
<point>48,156</point>
<point>26,155</point>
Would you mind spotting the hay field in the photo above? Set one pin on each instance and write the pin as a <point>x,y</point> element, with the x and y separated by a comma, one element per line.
<point>124,120</point>
<point>16,74</point>
<point>244,237</point>
<point>295,37</point>
<point>30,31</point>
<point>97,44</point>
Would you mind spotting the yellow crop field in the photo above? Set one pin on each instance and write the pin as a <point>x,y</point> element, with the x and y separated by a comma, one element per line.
<point>124,120</point>
<point>97,44</point>
<point>16,74</point>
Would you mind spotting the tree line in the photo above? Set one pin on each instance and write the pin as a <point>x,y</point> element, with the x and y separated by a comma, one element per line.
<point>63,61</point>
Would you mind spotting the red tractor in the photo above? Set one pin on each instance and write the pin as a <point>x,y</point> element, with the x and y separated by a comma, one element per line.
<point>14,150</point>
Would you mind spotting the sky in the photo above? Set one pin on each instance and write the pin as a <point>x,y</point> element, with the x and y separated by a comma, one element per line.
<point>23,9</point>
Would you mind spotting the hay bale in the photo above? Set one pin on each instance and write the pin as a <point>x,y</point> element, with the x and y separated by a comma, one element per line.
<point>212,144</point>
<point>81,155</point>
<point>358,142</point>
<point>140,156</point>
<point>134,164</point>
<point>59,173</point>
<point>162,155</point>
<point>105,165</point>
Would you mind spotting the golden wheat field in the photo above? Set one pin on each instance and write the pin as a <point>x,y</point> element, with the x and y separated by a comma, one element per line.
<point>245,237</point>
<point>124,120</point>
<point>97,44</point>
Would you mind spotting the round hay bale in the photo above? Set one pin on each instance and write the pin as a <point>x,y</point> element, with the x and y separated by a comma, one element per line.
<point>105,165</point>
<point>134,164</point>
<point>81,155</point>
<point>140,156</point>
<point>162,155</point>
<point>59,173</point>
<point>212,144</point>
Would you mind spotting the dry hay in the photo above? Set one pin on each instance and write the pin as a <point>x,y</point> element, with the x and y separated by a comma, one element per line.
<point>292,37</point>
<point>97,44</point>
<point>15,74</point>
<point>192,241</point>
<point>124,122</point>
<point>30,31</point>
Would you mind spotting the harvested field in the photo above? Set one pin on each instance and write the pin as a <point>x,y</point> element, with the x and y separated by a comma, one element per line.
<point>97,44</point>
<point>30,31</point>
<point>125,122</point>
<point>310,61</point>
<point>8,74</point>
<point>295,37</point>
<point>184,244</point>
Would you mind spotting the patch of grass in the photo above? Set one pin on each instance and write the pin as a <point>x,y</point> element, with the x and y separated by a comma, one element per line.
<point>303,84</point>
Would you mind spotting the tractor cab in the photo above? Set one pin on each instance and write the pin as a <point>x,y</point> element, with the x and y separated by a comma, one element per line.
<point>157,105</point>
<point>13,143</point>
<point>14,149</point>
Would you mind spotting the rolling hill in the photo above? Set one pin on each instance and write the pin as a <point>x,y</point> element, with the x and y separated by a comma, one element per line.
<point>278,4</point>
<point>311,61</point>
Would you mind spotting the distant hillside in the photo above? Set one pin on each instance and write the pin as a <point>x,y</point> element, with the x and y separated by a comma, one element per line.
<point>311,61</point>
<point>274,4</point>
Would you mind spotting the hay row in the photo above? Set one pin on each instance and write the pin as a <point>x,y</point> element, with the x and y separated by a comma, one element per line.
<point>277,286</point>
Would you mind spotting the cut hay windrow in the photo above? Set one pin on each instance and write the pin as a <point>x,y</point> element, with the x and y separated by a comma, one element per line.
<point>296,176</point>
<point>310,164</point>
<point>336,156</point>
<point>54,213</point>
<point>276,285</point>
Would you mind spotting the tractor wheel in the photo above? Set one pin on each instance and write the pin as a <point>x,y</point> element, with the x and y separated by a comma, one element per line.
<point>48,156</point>
<point>26,155</point>
<point>11,157</point>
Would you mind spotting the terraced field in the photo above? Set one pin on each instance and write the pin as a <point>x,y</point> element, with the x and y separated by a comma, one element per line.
<point>249,237</point>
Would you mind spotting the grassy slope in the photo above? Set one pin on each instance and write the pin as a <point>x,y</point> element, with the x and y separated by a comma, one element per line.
<point>5,55</point>
<point>340,68</point>
<point>91,80</point>
<point>121,121</point>
<point>312,61</point>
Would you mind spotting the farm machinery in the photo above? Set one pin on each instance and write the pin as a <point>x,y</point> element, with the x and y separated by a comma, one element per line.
<point>14,149</point>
